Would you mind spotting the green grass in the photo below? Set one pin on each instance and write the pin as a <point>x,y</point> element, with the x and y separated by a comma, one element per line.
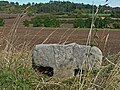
<point>16,73</point>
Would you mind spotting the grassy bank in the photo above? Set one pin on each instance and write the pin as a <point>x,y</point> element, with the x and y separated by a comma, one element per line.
<point>16,73</point>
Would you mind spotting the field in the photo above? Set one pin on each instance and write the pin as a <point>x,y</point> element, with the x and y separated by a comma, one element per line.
<point>32,36</point>
<point>16,68</point>
<point>16,72</point>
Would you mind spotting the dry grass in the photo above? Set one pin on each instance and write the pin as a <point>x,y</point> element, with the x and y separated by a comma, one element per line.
<point>16,73</point>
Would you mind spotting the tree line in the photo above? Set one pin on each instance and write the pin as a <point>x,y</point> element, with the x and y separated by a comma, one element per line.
<point>37,21</point>
<point>107,22</point>
<point>57,6</point>
<point>50,21</point>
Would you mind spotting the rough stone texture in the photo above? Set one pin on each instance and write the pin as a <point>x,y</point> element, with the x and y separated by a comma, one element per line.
<point>64,59</point>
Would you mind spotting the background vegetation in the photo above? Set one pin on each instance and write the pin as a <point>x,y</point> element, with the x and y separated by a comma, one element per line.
<point>60,8</point>
<point>64,12</point>
<point>63,9</point>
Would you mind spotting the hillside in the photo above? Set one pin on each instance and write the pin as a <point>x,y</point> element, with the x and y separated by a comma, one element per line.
<point>55,7</point>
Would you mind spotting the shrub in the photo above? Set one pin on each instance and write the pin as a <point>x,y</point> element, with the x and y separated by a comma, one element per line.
<point>99,23</point>
<point>26,23</point>
<point>88,22</point>
<point>79,23</point>
<point>107,22</point>
<point>37,21</point>
<point>30,14</point>
<point>51,22</point>
<point>115,13</point>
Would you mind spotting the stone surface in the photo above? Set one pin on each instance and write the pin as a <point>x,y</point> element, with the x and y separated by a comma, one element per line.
<point>65,59</point>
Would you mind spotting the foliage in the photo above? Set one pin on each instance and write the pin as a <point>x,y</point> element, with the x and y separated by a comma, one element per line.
<point>37,21</point>
<point>75,9</point>
<point>88,22</point>
<point>26,23</point>
<point>2,22</point>
<point>99,23</point>
<point>4,3</point>
<point>107,21</point>
<point>79,23</point>
<point>78,9</point>
<point>30,14</point>
<point>45,21</point>
<point>115,12</point>
<point>116,24</point>
<point>82,23</point>
<point>51,22</point>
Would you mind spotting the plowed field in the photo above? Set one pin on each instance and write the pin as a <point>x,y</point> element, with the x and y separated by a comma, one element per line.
<point>107,40</point>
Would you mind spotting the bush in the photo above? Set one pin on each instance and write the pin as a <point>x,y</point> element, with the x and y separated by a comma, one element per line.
<point>51,22</point>
<point>115,13</point>
<point>37,21</point>
<point>88,22</point>
<point>2,22</point>
<point>79,23</point>
<point>107,21</point>
<point>26,23</point>
<point>99,23</point>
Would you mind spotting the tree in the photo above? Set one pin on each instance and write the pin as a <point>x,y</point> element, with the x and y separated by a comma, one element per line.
<point>2,3</point>
<point>12,3</point>
<point>2,22</point>
<point>16,3</point>
<point>28,4</point>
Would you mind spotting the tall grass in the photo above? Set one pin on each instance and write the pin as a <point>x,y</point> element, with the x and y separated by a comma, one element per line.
<point>16,72</point>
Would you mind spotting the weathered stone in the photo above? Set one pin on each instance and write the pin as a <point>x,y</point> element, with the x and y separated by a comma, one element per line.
<point>65,59</point>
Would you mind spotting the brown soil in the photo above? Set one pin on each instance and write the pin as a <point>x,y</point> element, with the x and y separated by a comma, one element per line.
<point>32,36</point>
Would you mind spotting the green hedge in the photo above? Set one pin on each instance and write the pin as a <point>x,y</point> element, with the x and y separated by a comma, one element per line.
<point>99,23</point>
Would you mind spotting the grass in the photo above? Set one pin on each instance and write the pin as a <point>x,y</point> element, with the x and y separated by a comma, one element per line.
<point>16,73</point>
